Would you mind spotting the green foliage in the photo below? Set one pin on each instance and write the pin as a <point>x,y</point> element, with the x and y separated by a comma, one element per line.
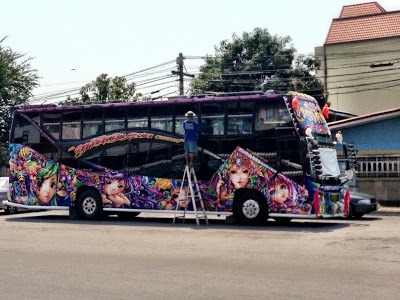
<point>257,61</point>
<point>106,88</point>
<point>17,80</point>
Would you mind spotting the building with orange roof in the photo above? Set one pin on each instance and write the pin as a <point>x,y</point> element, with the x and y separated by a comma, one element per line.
<point>360,59</point>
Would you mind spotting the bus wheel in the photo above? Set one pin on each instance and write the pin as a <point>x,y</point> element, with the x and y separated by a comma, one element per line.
<point>89,205</point>
<point>250,208</point>
<point>10,210</point>
<point>350,213</point>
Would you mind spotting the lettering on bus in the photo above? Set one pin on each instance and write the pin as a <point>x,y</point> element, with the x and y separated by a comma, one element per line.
<point>168,139</point>
<point>117,137</point>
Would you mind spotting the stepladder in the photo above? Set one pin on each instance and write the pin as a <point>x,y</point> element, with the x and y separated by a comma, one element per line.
<point>190,195</point>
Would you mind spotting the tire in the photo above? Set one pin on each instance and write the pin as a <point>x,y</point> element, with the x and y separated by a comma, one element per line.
<point>350,214</point>
<point>9,210</point>
<point>89,205</point>
<point>250,208</point>
<point>358,215</point>
<point>125,215</point>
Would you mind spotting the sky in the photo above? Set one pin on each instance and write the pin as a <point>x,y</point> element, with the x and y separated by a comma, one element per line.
<point>72,42</point>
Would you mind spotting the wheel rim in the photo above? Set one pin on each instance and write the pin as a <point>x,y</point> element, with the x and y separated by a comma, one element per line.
<point>250,209</point>
<point>89,205</point>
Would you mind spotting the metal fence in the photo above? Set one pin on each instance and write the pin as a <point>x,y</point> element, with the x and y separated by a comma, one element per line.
<point>378,166</point>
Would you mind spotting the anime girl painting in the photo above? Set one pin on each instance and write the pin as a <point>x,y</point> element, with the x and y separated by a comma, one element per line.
<point>33,177</point>
<point>116,189</point>
<point>285,196</point>
<point>238,171</point>
<point>44,184</point>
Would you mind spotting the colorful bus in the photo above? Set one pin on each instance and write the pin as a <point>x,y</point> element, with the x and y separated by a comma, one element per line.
<point>262,155</point>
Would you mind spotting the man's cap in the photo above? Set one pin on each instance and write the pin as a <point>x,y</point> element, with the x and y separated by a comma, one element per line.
<point>190,114</point>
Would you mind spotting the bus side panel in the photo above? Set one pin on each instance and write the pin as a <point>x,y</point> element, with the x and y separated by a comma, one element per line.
<point>243,170</point>
<point>38,181</point>
<point>124,190</point>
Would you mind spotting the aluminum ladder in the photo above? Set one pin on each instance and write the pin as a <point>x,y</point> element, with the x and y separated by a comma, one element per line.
<point>192,195</point>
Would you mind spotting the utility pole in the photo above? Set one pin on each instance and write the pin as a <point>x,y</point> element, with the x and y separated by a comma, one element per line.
<point>180,73</point>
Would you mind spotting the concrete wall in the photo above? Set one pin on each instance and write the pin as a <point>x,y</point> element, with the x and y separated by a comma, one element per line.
<point>352,85</point>
<point>386,190</point>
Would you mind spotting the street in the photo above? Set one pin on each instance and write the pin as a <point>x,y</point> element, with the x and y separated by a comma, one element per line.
<point>47,256</point>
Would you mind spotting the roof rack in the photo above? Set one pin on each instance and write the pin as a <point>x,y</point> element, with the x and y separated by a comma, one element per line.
<point>36,105</point>
<point>218,94</point>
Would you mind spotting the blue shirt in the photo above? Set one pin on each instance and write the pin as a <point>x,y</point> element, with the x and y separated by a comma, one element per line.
<point>191,129</point>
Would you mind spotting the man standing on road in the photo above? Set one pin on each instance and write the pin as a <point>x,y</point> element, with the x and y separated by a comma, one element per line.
<point>192,129</point>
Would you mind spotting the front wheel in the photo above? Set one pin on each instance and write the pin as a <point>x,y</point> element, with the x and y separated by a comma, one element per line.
<point>358,215</point>
<point>250,208</point>
<point>350,213</point>
<point>89,205</point>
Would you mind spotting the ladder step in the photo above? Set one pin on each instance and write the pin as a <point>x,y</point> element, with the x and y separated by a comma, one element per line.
<point>194,195</point>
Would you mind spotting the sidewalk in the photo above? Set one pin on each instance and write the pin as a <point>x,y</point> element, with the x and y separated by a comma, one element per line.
<point>387,211</point>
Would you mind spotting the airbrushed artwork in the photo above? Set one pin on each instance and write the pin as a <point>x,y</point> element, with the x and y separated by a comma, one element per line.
<point>36,180</point>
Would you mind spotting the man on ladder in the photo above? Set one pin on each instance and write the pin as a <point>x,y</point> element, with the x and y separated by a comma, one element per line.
<point>192,129</point>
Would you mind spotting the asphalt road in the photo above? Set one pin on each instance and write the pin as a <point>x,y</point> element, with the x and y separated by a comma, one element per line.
<point>47,256</point>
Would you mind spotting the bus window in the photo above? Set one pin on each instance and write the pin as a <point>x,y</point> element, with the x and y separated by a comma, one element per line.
<point>71,126</point>
<point>207,126</point>
<point>178,162</point>
<point>51,123</point>
<point>25,132</point>
<point>138,117</point>
<point>93,124</point>
<point>242,122</point>
<point>269,116</point>
<point>114,119</point>
<point>215,114</point>
<point>150,158</point>
<point>161,118</point>
<point>114,157</point>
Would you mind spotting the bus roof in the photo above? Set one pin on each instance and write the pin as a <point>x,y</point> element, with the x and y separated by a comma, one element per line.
<point>181,99</point>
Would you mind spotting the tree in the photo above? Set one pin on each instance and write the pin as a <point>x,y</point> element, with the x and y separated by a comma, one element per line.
<point>17,80</point>
<point>257,61</point>
<point>106,88</point>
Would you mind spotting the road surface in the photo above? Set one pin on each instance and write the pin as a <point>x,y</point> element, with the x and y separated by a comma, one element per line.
<point>47,256</point>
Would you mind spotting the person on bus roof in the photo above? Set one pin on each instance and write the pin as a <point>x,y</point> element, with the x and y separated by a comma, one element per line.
<point>191,129</point>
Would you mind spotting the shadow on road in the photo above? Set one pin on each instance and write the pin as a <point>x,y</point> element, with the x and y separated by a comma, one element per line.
<point>303,225</point>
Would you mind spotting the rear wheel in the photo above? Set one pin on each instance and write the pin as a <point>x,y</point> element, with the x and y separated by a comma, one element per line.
<point>250,208</point>
<point>89,205</point>
<point>11,210</point>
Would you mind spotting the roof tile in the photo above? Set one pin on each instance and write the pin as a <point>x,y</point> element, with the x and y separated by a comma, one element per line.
<point>363,22</point>
<point>361,9</point>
